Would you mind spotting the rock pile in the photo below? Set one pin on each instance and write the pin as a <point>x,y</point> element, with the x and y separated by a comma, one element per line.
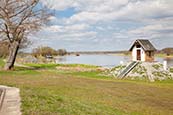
<point>145,71</point>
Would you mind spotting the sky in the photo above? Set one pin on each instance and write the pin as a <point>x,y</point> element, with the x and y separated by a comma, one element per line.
<point>106,25</point>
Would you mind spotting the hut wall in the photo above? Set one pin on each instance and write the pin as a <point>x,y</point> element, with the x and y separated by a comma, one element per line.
<point>149,57</point>
<point>134,55</point>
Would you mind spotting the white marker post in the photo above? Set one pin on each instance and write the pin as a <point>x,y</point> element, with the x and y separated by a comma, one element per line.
<point>121,62</point>
<point>165,66</point>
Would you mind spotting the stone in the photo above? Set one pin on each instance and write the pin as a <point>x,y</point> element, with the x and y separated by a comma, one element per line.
<point>11,101</point>
<point>151,71</point>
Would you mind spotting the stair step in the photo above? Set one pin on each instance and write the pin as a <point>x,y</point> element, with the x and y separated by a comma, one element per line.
<point>127,69</point>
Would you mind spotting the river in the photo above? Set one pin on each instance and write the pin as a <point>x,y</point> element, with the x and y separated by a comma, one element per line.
<point>104,60</point>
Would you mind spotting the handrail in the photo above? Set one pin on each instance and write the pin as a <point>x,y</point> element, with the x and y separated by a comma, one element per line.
<point>127,69</point>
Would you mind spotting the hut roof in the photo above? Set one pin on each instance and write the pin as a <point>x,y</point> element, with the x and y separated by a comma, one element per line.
<point>146,45</point>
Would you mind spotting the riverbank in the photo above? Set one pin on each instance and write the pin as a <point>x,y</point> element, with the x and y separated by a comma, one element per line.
<point>104,60</point>
<point>46,89</point>
<point>163,55</point>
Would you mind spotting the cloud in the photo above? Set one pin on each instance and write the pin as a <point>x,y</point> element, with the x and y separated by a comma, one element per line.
<point>57,4</point>
<point>69,28</point>
<point>154,30</point>
<point>109,23</point>
<point>106,10</point>
<point>70,32</point>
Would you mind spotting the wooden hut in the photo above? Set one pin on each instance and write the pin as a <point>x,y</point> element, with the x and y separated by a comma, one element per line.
<point>142,50</point>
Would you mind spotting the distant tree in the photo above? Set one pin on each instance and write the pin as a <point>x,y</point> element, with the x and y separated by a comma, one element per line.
<point>168,51</point>
<point>44,51</point>
<point>18,18</point>
<point>61,52</point>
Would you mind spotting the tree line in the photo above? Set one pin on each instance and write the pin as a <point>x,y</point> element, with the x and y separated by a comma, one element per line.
<point>48,51</point>
<point>36,52</point>
<point>168,51</point>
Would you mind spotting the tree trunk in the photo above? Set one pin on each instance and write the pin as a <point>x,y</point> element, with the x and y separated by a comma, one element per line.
<point>13,50</point>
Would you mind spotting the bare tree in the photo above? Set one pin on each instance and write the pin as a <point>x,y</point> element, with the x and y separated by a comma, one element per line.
<point>19,18</point>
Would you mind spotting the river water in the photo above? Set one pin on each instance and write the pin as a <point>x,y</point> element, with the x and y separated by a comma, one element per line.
<point>104,60</point>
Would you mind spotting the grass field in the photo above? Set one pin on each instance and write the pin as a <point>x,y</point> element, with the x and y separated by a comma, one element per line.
<point>1,63</point>
<point>47,91</point>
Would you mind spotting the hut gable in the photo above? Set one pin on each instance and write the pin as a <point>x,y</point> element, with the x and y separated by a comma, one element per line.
<point>142,50</point>
<point>146,45</point>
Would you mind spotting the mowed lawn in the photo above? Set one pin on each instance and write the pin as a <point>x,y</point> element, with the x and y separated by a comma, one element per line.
<point>47,91</point>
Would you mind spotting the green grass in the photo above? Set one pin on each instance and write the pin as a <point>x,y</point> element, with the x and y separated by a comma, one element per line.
<point>50,66</point>
<point>2,63</point>
<point>42,66</point>
<point>77,65</point>
<point>156,66</point>
<point>171,70</point>
<point>47,91</point>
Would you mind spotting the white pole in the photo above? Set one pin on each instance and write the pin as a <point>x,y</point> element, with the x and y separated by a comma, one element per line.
<point>165,67</point>
<point>121,62</point>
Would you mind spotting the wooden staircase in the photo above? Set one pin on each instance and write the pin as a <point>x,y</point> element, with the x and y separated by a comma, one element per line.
<point>127,69</point>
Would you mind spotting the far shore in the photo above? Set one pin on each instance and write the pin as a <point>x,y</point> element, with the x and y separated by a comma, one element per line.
<point>119,53</point>
<point>97,52</point>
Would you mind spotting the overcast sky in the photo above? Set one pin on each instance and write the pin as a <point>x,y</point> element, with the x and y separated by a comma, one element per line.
<point>84,25</point>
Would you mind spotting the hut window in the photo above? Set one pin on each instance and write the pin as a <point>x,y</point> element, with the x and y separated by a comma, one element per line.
<point>149,53</point>
<point>138,46</point>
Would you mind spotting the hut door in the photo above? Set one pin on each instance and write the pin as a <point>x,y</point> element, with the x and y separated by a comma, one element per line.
<point>139,55</point>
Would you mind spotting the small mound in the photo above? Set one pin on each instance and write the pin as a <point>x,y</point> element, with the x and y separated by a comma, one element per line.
<point>144,71</point>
